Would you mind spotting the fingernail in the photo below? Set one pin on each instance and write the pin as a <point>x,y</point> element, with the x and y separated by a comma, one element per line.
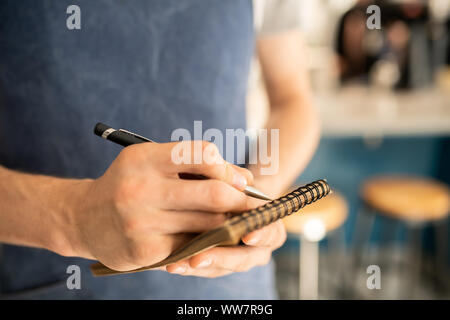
<point>253,240</point>
<point>239,181</point>
<point>180,269</point>
<point>204,263</point>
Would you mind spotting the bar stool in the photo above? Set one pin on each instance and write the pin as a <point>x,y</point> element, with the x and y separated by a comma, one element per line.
<point>311,224</point>
<point>416,202</point>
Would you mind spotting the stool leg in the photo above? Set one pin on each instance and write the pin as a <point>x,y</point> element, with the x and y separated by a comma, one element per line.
<point>300,280</point>
<point>360,242</point>
<point>388,232</point>
<point>441,242</point>
<point>309,269</point>
<point>384,258</point>
<point>295,267</point>
<point>337,247</point>
<point>414,262</point>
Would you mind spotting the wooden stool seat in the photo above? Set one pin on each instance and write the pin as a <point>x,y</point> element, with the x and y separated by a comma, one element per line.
<point>331,211</point>
<point>407,198</point>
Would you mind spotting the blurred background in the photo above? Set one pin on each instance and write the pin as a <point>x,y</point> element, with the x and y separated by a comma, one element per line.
<point>384,101</point>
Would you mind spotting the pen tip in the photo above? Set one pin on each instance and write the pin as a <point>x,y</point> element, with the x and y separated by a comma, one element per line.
<point>255,193</point>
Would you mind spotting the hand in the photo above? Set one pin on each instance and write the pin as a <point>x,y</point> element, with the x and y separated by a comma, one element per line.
<point>220,261</point>
<point>139,211</point>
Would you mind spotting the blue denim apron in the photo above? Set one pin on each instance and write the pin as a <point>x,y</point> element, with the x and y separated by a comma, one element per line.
<point>148,66</point>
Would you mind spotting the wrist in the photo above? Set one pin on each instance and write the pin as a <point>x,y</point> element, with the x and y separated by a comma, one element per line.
<point>68,196</point>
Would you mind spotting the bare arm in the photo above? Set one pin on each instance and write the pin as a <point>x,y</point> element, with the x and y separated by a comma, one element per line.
<point>33,210</point>
<point>282,58</point>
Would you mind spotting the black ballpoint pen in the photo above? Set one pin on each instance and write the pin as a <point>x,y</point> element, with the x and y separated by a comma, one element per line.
<point>126,138</point>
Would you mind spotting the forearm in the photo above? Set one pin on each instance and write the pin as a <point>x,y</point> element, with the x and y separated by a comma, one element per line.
<point>299,134</point>
<point>284,68</point>
<point>34,210</point>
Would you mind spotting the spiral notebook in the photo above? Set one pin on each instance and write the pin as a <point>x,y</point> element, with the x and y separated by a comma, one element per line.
<point>231,232</point>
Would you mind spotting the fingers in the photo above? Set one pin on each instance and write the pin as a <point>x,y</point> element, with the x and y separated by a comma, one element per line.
<point>245,172</point>
<point>200,158</point>
<point>171,222</point>
<point>179,194</point>
<point>186,221</point>
<point>222,260</point>
<point>185,270</point>
<point>203,195</point>
<point>272,236</point>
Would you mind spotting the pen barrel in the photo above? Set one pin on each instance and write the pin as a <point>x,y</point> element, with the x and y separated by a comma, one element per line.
<point>100,128</point>
<point>278,209</point>
<point>124,139</point>
<point>120,137</point>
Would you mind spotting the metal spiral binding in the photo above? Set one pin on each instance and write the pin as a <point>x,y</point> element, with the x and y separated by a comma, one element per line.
<point>277,209</point>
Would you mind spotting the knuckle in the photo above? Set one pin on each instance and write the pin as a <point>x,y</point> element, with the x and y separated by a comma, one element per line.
<point>131,225</point>
<point>211,153</point>
<point>209,147</point>
<point>127,156</point>
<point>135,155</point>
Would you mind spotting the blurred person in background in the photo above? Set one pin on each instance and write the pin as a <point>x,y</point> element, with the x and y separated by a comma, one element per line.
<point>404,40</point>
